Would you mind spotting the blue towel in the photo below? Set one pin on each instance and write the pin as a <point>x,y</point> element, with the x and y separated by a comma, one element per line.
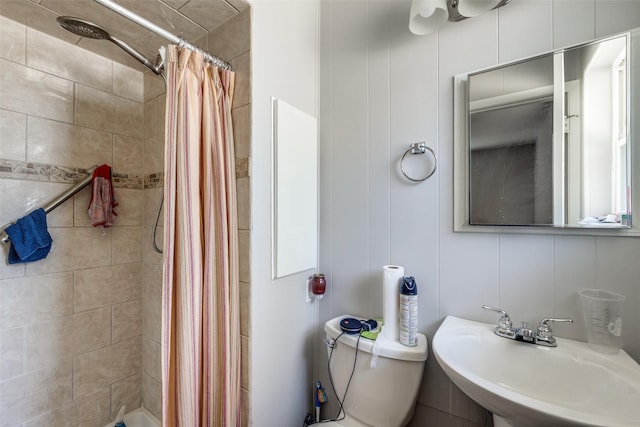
<point>30,240</point>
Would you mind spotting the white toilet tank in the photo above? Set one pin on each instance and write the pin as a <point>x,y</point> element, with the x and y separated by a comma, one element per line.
<point>380,396</point>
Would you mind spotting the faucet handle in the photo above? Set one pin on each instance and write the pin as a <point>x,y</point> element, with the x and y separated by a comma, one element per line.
<point>504,323</point>
<point>544,329</point>
<point>504,314</point>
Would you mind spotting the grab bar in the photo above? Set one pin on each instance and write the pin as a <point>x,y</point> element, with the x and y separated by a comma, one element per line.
<point>4,237</point>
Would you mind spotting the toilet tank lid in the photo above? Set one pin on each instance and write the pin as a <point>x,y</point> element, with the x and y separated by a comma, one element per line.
<point>386,348</point>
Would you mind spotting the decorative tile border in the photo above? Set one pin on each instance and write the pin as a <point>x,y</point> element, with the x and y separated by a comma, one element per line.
<point>12,169</point>
<point>154,180</point>
<point>242,167</point>
<point>25,171</point>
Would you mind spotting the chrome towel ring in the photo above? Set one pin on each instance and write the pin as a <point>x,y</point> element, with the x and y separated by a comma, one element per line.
<point>418,148</point>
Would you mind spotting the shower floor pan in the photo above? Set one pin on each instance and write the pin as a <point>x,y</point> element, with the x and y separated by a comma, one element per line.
<point>139,418</point>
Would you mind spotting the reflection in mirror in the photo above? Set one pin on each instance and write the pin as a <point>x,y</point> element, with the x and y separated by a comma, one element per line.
<point>510,144</point>
<point>547,140</point>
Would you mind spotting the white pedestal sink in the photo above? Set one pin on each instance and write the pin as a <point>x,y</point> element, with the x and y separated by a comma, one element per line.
<point>530,385</point>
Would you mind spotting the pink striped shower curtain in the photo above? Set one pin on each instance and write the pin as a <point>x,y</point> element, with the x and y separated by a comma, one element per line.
<point>200,313</point>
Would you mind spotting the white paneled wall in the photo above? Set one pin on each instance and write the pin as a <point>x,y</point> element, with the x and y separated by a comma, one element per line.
<point>381,89</point>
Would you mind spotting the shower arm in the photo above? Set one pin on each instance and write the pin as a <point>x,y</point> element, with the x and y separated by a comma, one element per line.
<point>156,68</point>
<point>161,32</point>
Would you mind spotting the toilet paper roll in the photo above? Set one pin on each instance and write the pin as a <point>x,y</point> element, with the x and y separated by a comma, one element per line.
<point>392,274</point>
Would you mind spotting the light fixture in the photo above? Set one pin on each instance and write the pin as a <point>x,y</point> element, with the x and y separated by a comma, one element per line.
<point>427,16</point>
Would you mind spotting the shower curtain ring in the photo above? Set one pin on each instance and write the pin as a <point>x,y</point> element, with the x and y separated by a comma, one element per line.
<point>418,148</point>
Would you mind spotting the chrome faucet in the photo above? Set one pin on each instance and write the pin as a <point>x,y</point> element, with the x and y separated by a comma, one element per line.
<point>504,328</point>
<point>541,336</point>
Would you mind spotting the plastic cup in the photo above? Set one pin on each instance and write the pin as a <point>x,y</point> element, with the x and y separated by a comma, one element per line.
<point>602,312</point>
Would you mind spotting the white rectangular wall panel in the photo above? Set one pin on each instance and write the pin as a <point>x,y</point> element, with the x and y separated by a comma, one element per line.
<point>294,190</point>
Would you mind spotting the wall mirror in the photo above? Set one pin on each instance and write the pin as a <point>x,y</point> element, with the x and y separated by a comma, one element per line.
<point>545,144</point>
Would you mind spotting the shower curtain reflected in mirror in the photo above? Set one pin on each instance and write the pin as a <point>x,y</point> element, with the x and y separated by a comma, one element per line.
<point>200,313</point>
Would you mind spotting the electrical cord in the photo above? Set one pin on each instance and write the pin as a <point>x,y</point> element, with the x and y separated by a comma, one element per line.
<point>338,417</point>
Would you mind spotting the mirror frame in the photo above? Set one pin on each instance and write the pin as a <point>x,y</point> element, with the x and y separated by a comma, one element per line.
<point>461,153</point>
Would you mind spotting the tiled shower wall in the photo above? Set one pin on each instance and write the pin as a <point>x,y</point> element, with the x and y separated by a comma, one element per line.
<point>154,96</point>
<point>80,331</point>
<point>70,325</point>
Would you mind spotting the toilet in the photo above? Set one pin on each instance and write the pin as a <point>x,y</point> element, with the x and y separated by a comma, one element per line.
<point>382,395</point>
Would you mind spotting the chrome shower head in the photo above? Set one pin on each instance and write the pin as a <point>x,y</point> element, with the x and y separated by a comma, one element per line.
<point>83,28</point>
<point>90,30</point>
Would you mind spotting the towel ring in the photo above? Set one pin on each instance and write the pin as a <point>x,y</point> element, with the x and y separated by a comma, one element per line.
<point>418,148</point>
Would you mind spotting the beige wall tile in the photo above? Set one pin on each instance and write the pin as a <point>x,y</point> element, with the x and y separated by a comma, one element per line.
<point>18,198</point>
<point>26,300</point>
<point>153,85</point>
<point>245,309</point>
<point>130,206</point>
<point>152,302</point>
<point>152,395</point>
<point>151,359</point>
<point>243,186</point>
<point>241,117</point>
<point>244,243</point>
<point>127,320</point>
<point>242,67</point>
<point>127,244</point>
<point>245,404</point>
<point>54,56</point>
<point>10,271</point>
<point>127,155</point>
<point>154,154</point>
<point>233,38</point>
<point>12,40</point>
<point>93,410</point>
<point>12,352</point>
<point>57,339</point>
<point>127,392</point>
<point>32,394</point>
<point>152,202</point>
<point>75,249</point>
<point>56,143</point>
<point>81,206</point>
<point>162,109</point>
<point>128,82</point>
<point>98,369</point>
<point>244,363</point>
<point>99,287</point>
<point>13,131</point>
<point>207,13</point>
<point>149,254</point>
<point>103,111</point>
<point>150,117</point>
<point>36,17</point>
<point>33,92</point>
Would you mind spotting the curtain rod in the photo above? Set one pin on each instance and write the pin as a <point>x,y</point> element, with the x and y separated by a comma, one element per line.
<point>162,32</point>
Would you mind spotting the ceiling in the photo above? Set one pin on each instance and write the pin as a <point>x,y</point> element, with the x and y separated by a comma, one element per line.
<point>189,19</point>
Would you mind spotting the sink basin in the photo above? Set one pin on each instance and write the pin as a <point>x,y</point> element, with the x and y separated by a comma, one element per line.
<point>530,385</point>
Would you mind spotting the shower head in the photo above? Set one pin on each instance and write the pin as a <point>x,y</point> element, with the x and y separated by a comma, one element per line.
<point>90,30</point>
<point>83,28</point>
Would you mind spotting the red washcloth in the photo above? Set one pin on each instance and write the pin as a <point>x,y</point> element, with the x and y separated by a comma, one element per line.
<point>102,198</point>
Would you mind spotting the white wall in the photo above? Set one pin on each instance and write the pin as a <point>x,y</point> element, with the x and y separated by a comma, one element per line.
<point>284,65</point>
<point>381,89</point>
